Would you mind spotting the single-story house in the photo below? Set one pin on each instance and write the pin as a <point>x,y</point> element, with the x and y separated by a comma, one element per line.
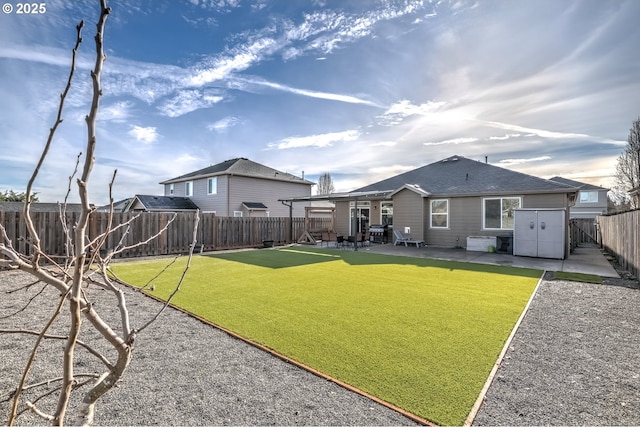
<point>592,200</point>
<point>445,202</point>
<point>148,203</point>
<point>241,188</point>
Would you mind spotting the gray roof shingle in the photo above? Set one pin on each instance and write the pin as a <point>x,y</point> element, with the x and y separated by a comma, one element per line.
<point>238,166</point>
<point>577,184</point>
<point>166,203</point>
<point>460,176</point>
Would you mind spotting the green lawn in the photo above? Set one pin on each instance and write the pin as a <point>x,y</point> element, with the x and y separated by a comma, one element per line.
<point>418,333</point>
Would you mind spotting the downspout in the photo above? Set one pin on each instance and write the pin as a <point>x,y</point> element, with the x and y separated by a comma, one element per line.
<point>290,205</point>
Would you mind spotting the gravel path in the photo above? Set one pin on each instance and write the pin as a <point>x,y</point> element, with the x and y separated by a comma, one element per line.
<point>574,361</point>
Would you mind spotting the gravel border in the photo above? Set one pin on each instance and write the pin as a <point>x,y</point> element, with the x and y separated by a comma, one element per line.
<point>573,361</point>
<point>185,372</point>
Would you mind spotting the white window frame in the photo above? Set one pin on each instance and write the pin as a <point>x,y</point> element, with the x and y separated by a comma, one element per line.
<point>588,197</point>
<point>431,213</point>
<point>237,214</point>
<point>188,188</point>
<point>386,211</point>
<point>212,185</point>
<point>484,207</point>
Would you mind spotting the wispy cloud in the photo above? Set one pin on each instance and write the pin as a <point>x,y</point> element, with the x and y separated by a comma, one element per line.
<point>146,135</point>
<point>118,112</point>
<point>187,101</point>
<point>454,141</point>
<point>505,137</point>
<point>551,134</point>
<point>398,111</point>
<point>238,59</point>
<point>513,162</point>
<point>223,124</point>
<point>324,140</point>
<point>305,92</point>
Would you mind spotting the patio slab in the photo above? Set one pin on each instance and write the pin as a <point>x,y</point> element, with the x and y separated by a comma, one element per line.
<point>587,259</point>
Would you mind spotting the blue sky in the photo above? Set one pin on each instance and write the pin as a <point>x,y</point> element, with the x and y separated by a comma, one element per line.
<point>360,89</point>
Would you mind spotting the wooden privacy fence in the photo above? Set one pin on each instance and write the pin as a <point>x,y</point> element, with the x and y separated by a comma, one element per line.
<point>582,230</point>
<point>620,235</point>
<point>214,233</point>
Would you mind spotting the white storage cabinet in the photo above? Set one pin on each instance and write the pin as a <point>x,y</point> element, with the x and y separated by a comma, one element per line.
<point>539,233</point>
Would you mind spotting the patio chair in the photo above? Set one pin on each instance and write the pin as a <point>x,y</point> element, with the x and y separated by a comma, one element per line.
<point>401,238</point>
<point>325,239</point>
<point>333,239</point>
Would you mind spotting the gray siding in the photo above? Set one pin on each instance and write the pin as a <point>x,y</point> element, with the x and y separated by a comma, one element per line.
<point>212,202</point>
<point>233,190</point>
<point>590,210</point>
<point>465,218</point>
<point>408,211</point>
<point>246,189</point>
<point>544,201</point>
<point>342,218</point>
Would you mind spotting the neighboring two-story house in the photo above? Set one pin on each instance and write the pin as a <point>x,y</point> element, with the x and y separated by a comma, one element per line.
<point>241,188</point>
<point>591,200</point>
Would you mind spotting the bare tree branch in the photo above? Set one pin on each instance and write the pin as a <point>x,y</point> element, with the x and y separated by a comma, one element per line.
<point>184,273</point>
<point>16,398</point>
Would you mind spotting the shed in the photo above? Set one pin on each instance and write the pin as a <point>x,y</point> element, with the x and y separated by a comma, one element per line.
<point>539,233</point>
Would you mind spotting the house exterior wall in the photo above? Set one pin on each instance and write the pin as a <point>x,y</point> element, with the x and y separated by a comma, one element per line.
<point>247,189</point>
<point>544,201</point>
<point>465,218</point>
<point>206,202</point>
<point>233,190</point>
<point>408,211</point>
<point>342,218</point>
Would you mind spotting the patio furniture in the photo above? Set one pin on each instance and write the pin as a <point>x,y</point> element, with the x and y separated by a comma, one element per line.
<point>352,241</point>
<point>332,239</point>
<point>401,238</point>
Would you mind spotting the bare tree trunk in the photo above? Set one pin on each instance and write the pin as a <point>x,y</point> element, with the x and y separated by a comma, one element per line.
<point>83,265</point>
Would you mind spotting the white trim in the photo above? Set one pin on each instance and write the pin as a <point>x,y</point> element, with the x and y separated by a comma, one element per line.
<point>188,188</point>
<point>438,213</point>
<point>212,189</point>
<point>501,198</point>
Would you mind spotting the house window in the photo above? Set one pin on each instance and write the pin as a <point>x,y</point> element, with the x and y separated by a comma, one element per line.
<point>387,213</point>
<point>439,214</point>
<point>188,188</point>
<point>171,189</point>
<point>499,212</point>
<point>212,185</point>
<point>588,197</point>
<point>237,214</point>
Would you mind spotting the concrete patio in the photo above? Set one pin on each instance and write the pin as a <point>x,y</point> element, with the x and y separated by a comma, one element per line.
<point>587,259</point>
